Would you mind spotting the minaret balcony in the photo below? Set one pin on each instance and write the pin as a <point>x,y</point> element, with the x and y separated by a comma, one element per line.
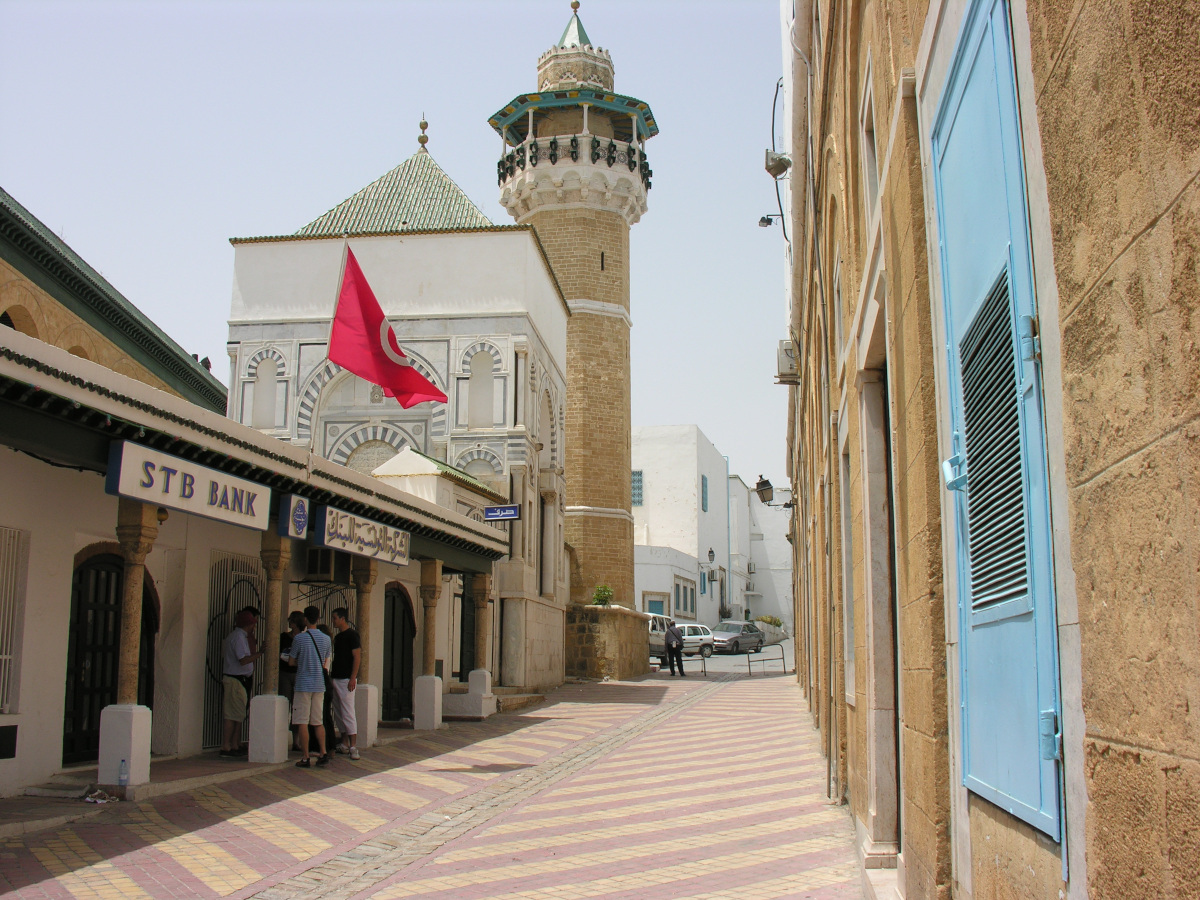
<point>574,169</point>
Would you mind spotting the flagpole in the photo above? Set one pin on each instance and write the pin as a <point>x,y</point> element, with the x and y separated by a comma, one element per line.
<point>337,298</point>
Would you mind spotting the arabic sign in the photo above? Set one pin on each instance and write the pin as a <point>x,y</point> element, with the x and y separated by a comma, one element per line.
<point>497,513</point>
<point>293,516</point>
<point>354,534</point>
<point>165,480</point>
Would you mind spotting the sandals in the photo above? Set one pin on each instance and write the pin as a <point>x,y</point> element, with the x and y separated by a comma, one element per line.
<point>305,763</point>
<point>323,760</point>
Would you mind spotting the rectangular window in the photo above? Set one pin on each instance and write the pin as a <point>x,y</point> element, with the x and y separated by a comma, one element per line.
<point>685,596</point>
<point>635,487</point>
<point>870,159</point>
<point>677,606</point>
<point>847,580</point>
<point>692,597</point>
<point>703,582</point>
<point>13,552</point>
<point>704,492</point>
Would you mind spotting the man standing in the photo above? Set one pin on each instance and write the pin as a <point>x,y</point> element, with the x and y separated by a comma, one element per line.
<point>237,679</point>
<point>347,657</point>
<point>674,641</point>
<point>310,650</point>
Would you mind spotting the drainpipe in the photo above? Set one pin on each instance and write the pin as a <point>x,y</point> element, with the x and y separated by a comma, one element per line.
<point>728,542</point>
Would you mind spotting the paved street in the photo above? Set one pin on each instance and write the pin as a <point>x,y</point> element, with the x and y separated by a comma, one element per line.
<point>664,787</point>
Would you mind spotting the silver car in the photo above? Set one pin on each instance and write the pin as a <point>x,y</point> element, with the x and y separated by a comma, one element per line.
<point>738,637</point>
<point>697,639</point>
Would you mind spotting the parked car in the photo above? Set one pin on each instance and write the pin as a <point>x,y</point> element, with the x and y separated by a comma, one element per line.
<point>697,639</point>
<point>738,637</point>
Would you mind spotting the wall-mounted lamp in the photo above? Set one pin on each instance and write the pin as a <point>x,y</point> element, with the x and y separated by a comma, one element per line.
<point>768,221</point>
<point>777,163</point>
<point>766,493</point>
<point>711,556</point>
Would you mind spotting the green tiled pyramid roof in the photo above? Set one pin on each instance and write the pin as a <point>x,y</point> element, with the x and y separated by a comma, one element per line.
<point>416,195</point>
<point>574,35</point>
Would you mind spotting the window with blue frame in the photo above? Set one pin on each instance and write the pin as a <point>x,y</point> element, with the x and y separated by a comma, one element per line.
<point>996,475</point>
<point>635,487</point>
<point>704,493</point>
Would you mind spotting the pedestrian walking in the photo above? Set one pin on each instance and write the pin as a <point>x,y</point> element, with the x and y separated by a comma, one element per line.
<point>347,658</point>
<point>239,652</point>
<point>309,652</point>
<point>674,641</point>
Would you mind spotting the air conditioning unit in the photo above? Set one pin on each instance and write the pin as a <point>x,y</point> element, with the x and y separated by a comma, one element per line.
<point>749,587</point>
<point>786,364</point>
<point>325,566</point>
<point>750,568</point>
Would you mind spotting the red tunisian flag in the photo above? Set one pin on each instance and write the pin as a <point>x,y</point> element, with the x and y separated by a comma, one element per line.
<point>363,342</point>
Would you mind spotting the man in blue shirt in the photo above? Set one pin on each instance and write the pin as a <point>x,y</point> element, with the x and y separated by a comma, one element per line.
<point>309,653</point>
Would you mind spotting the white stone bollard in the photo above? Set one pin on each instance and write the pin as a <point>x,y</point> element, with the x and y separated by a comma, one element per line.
<point>124,735</point>
<point>427,703</point>
<point>270,735</point>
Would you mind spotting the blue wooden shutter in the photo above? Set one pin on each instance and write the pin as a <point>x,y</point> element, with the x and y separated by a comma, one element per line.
<point>704,492</point>
<point>997,468</point>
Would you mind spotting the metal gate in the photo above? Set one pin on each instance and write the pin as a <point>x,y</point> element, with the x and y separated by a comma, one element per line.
<point>325,597</point>
<point>234,581</point>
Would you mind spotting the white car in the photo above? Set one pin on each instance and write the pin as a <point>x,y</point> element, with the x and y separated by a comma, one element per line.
<point>697,639</point>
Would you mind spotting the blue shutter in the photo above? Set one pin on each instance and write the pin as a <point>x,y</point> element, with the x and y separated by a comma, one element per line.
<point>704,492</point>
<point>997,471</point>
<point>635,487</point>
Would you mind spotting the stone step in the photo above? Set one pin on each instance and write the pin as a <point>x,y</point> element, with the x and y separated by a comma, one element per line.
<point>60,786</point>
<point>513,702</point>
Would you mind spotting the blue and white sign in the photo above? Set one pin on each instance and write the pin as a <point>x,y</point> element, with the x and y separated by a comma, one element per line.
<point>501,513</point>
<point>293,516</point>
<point>354,534</point>
<point>171,481</point>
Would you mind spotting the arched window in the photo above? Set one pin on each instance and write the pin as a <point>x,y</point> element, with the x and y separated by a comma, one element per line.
<point>481,393</point>
<point>369,456</point>
<point>19,319</point>
<point>263,413</point>
<point>481,469</point>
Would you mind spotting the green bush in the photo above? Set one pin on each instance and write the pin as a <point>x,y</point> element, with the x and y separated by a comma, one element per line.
<point>602,596</point>
<point>771,620</point>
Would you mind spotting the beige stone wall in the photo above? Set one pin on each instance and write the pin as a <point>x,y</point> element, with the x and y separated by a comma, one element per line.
<point>610,642</point>
<point>36,313</point>
<point>597,432</point>
<point>544,654</point>
<point>1118,90</point>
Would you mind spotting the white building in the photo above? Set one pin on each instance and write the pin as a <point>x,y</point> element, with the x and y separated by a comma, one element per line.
<point>706,548</point>
<point>478,310</point>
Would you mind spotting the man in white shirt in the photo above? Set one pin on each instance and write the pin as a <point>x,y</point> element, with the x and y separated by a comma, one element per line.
<point>237,679</point>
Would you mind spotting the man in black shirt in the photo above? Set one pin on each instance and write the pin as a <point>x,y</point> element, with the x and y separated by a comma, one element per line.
<point>347,657</point>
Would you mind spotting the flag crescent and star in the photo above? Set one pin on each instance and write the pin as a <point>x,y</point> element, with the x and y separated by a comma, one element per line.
<point>362,341</point>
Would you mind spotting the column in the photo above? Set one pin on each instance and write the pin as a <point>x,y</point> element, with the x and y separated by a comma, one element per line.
<point>481,589</point>
<point>364,571</point>
<point>125,727</point>
<point>427,691</point>
<point>269,712</point>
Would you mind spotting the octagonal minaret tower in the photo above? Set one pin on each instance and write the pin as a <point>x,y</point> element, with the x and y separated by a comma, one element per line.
<point>574,165</point>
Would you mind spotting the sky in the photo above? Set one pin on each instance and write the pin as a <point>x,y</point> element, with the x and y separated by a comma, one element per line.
<point>146,133</point>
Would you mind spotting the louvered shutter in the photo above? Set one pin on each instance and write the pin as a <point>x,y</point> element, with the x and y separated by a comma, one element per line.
<point>996,473</point>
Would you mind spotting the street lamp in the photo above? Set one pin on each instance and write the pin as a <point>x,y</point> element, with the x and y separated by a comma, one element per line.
<point>768,221</point>
<point>711,556</point>
<point>766,493</point>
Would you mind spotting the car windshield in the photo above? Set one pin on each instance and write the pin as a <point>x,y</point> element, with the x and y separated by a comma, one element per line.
<point>729,627</point>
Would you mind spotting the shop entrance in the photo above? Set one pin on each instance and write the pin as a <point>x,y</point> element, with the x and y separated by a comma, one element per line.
<point>93,652</point>
<point>399,634</point>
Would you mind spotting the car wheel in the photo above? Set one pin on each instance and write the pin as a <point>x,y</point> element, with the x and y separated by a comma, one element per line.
<point>757,649</point>
<point>733,648</point>
<point>662,661</point>
<point>706,651</point>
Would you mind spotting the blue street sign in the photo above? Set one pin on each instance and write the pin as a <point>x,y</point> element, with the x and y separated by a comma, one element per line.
<point>494,513</point>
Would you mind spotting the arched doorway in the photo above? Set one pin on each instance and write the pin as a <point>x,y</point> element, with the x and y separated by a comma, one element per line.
<point>399,633</point>
<point>93,652</point>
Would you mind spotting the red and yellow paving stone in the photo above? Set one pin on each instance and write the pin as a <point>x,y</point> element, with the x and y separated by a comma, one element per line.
<point>709,788</point>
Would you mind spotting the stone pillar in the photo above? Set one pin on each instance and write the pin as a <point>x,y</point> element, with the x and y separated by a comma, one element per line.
<point>364,571</point>
<point>481,589</point>
<point>427,691</point>
<point>276,555</point>
<point>431,591</point>
<point>137,529</point>
<point>125,727</point>
<point>269,734</point>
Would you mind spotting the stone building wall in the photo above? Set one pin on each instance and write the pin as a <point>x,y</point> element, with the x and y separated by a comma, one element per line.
<point>1118,94</point>
<point>607,642</point>
<point>36,313</point>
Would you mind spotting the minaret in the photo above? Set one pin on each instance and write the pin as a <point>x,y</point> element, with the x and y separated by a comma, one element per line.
<point>574,165</point>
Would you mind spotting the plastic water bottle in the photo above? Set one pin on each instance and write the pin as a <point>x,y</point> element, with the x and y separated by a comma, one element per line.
<point>123,774</point>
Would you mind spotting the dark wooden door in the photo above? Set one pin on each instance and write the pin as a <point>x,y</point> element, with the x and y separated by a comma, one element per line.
<point>399,633</point>
<point>93,651</point>
<point>466,635</point>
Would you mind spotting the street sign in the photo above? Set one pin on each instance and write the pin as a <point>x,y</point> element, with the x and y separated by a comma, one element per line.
<point>498,513</point>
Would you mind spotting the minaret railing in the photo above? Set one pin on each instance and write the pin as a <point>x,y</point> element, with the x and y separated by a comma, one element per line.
<point>588,148</point>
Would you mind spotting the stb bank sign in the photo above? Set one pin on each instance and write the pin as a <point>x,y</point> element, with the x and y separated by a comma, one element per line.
<point>164,480</point>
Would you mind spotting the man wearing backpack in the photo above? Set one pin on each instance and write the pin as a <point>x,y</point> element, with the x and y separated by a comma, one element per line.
<point>309,654</point>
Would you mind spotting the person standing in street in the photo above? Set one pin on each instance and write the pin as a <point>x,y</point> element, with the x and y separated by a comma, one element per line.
<point>287,675</point>
<point>674,641</point>
<point>347,657</point>
<point>310,650</point>
<point>237,679</point>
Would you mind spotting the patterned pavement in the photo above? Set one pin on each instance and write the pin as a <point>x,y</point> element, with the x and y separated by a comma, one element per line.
<point>664,787</point>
